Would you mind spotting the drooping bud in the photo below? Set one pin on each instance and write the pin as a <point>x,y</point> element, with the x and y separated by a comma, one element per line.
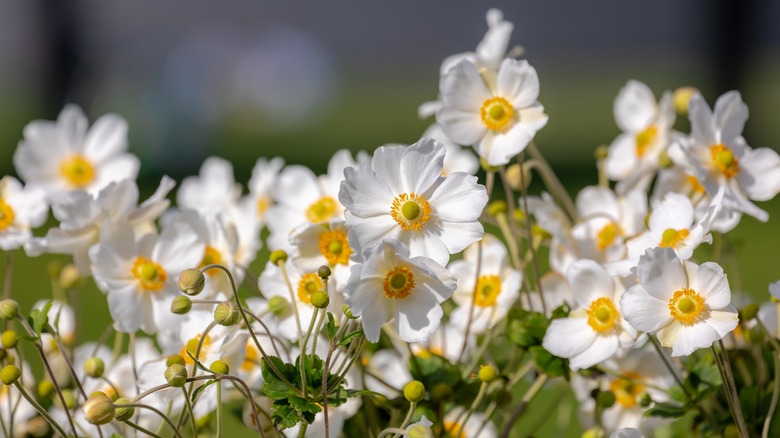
<point>278,256</point>
<point>176,375</point>
<point>10,374</point>
<point>414,391</point>
<point>181,305</point>
<point>219,367</point>
<point>320,299</point>
<point>226,313</point>
<point>487,373</point>
<point>192,281</point>
<point>99,409</point>
<point>9,309</point>
<point>94,367</point>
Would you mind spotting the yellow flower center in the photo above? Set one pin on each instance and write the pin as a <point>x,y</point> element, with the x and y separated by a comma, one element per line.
<point>251,359</point>
<point>496,113</point>
<point>453,430</point>
<point>411,211</point>
<point>602,315</point>
<point>672,238</point>
<point>606,236</point>
<point>77,171</point>
<point>695,184</point>
<point>334,246</point>
<point>686,305</point>
<point>307,285</point>
<point>724,160</point>
<point>488,289</point>
<point>211,257</point>
<point>322,210</point>
<point>7,215</point>
<point>425,353</point>
<point>627,390</point>
<point>151,275</point>
<point>644,139</point>
<point>262,205</point>
<point>192,347</point>
<point>398,283</point>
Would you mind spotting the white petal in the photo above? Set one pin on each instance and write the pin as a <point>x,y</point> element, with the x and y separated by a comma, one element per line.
<point>461,87</point>
<point>506,145</point>
<point>459,198</point>
<point>363,194</point>
<point>568,337</point>
<point>417,316</point>
<point>674,211</point>
<point>604,347</point>
<point>759,174</point>
<point>593,200</point>
<point>621,157</point>
<point>693,337</point>
<point>635,107</point>
<point>643,311</point>
<point>422,164</point>
<point>730,116</point>
<point>661,273</point>
<point>106,138</point>
<point>518,82</point>
<point>724,322</point>
<point>589,281</point>
<point>463,127</point>
<point>668,335</point>
<point>710,282</point>
<point>127,307</point>
<point>702,123</point>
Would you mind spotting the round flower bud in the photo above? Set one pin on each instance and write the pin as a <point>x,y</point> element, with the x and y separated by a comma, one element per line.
<point>69,277</point>
<point>226,313</point>
<point>320,299</point>
<point>324,271</point>
<point>664,160</point>
<point>605,399</point>
<point>94,367</point>
<point>519,215</point>
<point>176,375</point>
<point>536,230</point>
<point>497,207</point>
<point>219,367</point>
<point>731,431</point>
<point>749,312</point>
<point>9,339</point>
<point>645,400</point>
<point>181,305</point>
<point>45,388</point>
<point>347,312</point>
<point>123,413</point>
<point>10,374</point>
<point>9,309</point>
<point>70,399</point>
<point>192,281</point>
<point>601,152</point>
<point>174,359</point>
<point>682,97</point>
<point>99,409</point>
<point>278,305</point>
<point>512,176</point>
<point>487,373</point>
<point>414,391</point>
<point>278,256</point>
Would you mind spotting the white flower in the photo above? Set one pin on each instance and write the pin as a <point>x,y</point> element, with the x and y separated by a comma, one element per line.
<point>497,114</point>
<point>595,330</point>
<point>720,157</point>
<point>391,285</point>
<point>420,429</point>
<point>140,276</point>
<point>496,288</point>
<point>472,428</point>
<point>457,158</point>
<point>687,305</point>
<point>213,191</point>
<point>387,369</point>
<point>447,342</point>
<point>261,184</point>
<point>403,196</point>
<point>82,215</point>
<point>65,155</point>
<point>21,210</point>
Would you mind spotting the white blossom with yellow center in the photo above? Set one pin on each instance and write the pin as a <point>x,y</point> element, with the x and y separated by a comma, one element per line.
<point>688,306</point>
<point>595,329</point>
<point>402,195</point>
<point>391,285</point>
<point>68,155</point>
<point>21,210</point>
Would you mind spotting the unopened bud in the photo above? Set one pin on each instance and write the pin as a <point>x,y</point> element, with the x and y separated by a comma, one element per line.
<point>9,339</point>
<point>219,367</point>
<point>9,309</point>
<point>419,431</point>
<point>94,367</point>
<point>347,312</point>
<point>645,400</point>
<point>99,409</point>
<point>278,305</point>
<point>45,388</point>
<point>10,374</point>
<point>513,177</point>
<point>496,208</point>
<point>69,277</point>
<point>174,359</point>
<point>320,299</point>
<point>70,399</point>
<point>682,98</point>
<point>323,272</point>
<point>749,312</point>
<point>605,399</point>
<point>487,373</point>
<point>123,413</point>
<point>226,313</point>
<point>192,281</point>
<point>664,160</point>
<point>181,305</point>
<point>414,391</point>
<point>601,152</point>
<point>278,256</point>
<point>487,167</point>
<point>519,215</point>
<point>176,375</point>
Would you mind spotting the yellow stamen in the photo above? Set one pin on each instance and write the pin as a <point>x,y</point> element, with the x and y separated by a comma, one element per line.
<point>453,430</point>
<point>251,359</point>
<point>334,246</point>
<point>262,205</point>
<point>724,160</point>
<point>695,184</point>
<point>606,236</point>
<point>496,113</point>
<point>411,211</point>
<point>7,215</point>
<point>192,347</point>
<point>602,314</point>
<point>211,257</point>
<point>77,171</point>
<point>426,353</point>
<point>672,238</point>
<point>151,275</point>
<point>645,139</point>
<point>399,283</point>
<point>307,285</point>
<point>686,305</point>
<point>322,210</point>
<point>627,390</point>
<point>488,288</point>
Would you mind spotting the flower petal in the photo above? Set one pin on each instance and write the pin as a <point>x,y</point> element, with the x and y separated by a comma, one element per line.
<point>643,311</point>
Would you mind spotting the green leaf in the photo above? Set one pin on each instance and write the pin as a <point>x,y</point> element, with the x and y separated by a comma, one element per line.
<point>199,389</point>
<point>275,388</point>
<point>349,337</point>
<point>330,327</point>
<point>284,416</point>
<point>39,318</point>
<point>665,410</point>
<point>549,364</point>
<point>527,329</point>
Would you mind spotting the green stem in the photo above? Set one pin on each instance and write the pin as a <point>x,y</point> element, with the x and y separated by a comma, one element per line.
<point>730,389</point>
<point>775,393</point>
<point>143,430</point>
<point>43,412</point>
<point>472,304</point>
<point>219,408</point>
<point>9,264</point>
<point>474,405</point>
<point>155,410</point>
<point>304,344</point>
<point>669,365</point>
<point>190,412</point>
<point>523,405</point>
<point>482,347</point>
<point>551,180</point>
<point>293,301</point>
<point>528,230</point>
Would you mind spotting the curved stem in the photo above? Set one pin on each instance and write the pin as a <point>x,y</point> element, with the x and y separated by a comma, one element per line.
<point>534,259</point>
<point>143,430</point>
<point>188,406</point>
<point>153,409</point>
<point>44,413</point>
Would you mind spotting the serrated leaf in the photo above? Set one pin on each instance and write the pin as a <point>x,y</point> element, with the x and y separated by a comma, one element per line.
<point>274,388</point>
<point>284,416</point>
<point>302,405</point>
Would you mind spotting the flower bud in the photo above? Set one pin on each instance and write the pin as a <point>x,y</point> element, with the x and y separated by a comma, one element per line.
<point>497,207</point>
<point>192,281</point>
<point>94,367</point>
<point>9,339</point>
<point>45,388</point>
<point>69,277</point>
<point>512,176</point>
<point>10,374</point>
<point>99,409</point>
<point>278,256</point>
<point>123,413</point>
<point>519,215</point>
<point>174,359</point>
<point>540,232</point>
<point>664,160</point>
<point>347,312</point>
<point>176,375</point>
<point>605,399</point>
<point>278,305</point>
<point>749,312</point>
<point>419,431</point>
<point>9,309</point>
<point>731,431</point>
<point>37,426</point>
<point>414,391</point>
<point>601,152</point>
<point>487,373</point>
<point>226,313</point>
<point>682,98</point>
<point>181,305</point>
<point>320,299</point>
<point>323,272</point>
<point>645,400</point>
<point>487,167</point>
<point>219,367</point>
<point>70,399</point>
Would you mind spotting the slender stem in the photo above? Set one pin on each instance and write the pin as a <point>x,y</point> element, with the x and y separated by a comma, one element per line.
<point>188,406</point>
<point>669,365</point>
<point>775,393</point>
<point>271,337</point>
<point>302,430</point>
<point>153,409</point>
<point>730,386</point>
<point>9,264</point>
<point>42,411</point>
<point>304,344</point>
<point>528,225</point>
<point>482,347</point>
<point>118,341</point>
<point>325,375</point>
<point>317,332</point>
<point>293,300</point>
<point>61,347</point>
<point>474,405</point>
<point>472,304</point>
<point>551,180</point>
<point>219,408</point>
<point>408,418</point>
<point>523,405</point>
<point>389,430</point>
<point>143,430</point>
